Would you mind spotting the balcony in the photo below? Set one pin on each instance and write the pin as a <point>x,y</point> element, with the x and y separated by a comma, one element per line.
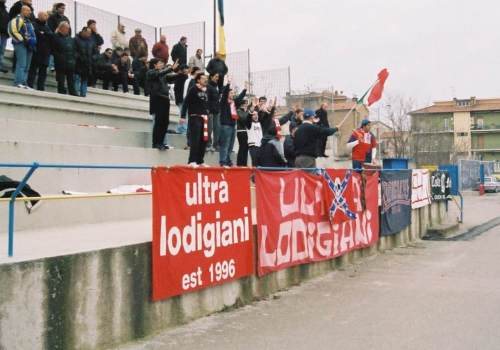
<point>478,128</point>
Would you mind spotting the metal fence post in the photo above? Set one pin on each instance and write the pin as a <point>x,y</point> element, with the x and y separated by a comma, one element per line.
<point>250,83</point>
<point>76,18</point>
<point>12,206</point>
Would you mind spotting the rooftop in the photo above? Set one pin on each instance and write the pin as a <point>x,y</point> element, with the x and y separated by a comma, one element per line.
<point>461,105</point>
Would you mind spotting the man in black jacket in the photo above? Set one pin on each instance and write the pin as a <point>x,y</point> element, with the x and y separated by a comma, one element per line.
<point>213,93</point>
<point>58,16</point>
<point>306,140</point>
<point>84,53</point>
<point>140,70</point>
<point>158,79</point>
<point>322,115</point>
<point>124,76</point>
<point>105,68</point>
<point>196,105</point>
<point>218,66</point>
<point>179,85</point>
<point>40,60</point>
<point>179,51</point>
<point>64,51</point>
<point>270,153</point>
<point>4,34</point>
<point>97,42</point>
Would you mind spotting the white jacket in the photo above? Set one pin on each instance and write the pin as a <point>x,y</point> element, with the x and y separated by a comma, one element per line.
<point>255,134</point>
<point>118,39</point>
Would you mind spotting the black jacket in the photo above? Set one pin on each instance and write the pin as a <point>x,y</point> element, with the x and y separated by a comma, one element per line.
<point>97,42</point>
<point>180,80</point>
<point>44,37</point>
<point>103,64</point>
<point>306,139</point>
<point>64,51</point>
<point>140,71</point>
<point>289,148</point>
<point>225,106</point>
<point>4,20</point>
<point>16,9</point>
<point>55,19</point>
<point>213,97</point>
<point>158,81</point>
<point>84,53</point>
<point>323,118</point>
<point>179,52</point>
<point>268,155</point>
<point>217,66</point>
<point>195,103</point>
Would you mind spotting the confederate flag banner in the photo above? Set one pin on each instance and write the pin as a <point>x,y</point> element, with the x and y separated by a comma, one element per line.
<point>202,229</point>
<point>304,217</point>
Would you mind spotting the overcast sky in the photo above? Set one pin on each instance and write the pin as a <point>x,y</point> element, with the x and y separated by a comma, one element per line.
<point>434,49</point>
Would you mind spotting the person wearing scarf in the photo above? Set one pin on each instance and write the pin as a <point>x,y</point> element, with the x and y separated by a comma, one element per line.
<point>228,117</point>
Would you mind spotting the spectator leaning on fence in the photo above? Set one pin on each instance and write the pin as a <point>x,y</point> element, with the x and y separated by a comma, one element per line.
<point>23,36</point>
<point>118,38</point>
<point>197,60</point>
<point>84,52</point>
<point>4,33</point>
<point>306,140</point>
<point>138,45</point>
<point>64,51</point>
<point>160,49</point>
<point>179,51</point>
<point>217,65</point>
<point>40,59</point>
<point>16,9</point>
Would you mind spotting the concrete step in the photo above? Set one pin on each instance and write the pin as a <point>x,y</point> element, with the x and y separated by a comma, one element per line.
<point>56,133</point>
<point>51,181</point>
<point>64,213</point>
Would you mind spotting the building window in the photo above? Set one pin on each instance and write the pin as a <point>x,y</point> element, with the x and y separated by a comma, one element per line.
<point>447,124</point>
<point>480,124</point>
<point>463,134</point>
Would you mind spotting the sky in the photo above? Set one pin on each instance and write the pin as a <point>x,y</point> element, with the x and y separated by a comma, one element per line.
<point>434,49</point>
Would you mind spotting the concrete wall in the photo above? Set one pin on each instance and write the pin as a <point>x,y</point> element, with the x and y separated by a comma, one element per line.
<point>102,298</point>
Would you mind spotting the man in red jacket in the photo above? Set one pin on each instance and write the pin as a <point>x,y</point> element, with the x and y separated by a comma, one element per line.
<point>160,49</point>
<point>363,145</point>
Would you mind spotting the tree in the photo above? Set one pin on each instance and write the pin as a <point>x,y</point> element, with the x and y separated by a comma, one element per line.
<point>399,120</point>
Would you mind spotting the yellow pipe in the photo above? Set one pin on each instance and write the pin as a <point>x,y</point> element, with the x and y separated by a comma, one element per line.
<point>86,196</point>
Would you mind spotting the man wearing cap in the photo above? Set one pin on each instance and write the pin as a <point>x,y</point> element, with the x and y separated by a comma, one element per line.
<point>306,140</point>
<point>363,145</point>
<point>138,45</point>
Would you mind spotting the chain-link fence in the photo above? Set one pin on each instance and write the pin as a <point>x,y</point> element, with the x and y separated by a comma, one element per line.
<point>106,22</point>
<point>194,32</point>
<point>271,83</point>
<point>238,64</point>
<point>148,31</point>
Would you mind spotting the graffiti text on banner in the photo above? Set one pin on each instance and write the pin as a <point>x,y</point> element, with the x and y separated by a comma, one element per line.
<point>202,229</point>
<point>294,225</point>
<point>420,191</point>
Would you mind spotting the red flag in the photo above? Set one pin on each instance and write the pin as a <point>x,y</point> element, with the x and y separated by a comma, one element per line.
<point>378,89</point>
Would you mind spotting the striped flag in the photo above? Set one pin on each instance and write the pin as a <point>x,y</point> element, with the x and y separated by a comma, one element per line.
<point>222,34</point>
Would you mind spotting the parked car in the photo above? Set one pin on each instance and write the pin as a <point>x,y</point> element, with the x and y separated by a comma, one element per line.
<point>490,184</point>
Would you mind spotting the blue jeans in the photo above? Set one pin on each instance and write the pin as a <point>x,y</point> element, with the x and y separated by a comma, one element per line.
<point>226,142</point>
<point>23,61</point>
<point>3,44</point>
<point>80,86</point>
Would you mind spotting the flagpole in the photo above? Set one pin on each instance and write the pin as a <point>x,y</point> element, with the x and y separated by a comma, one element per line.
<point>354,107</point>
<point>215,28</point>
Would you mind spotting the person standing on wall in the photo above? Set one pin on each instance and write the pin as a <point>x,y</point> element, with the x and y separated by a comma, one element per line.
<point>158,79</point>
<point>64,51</point>
<point>197,60</point>
<point>363,145</point>
<point>160,49</point>
<point>306,140</point>
<point>40,60</point>
<point>322,114</point>
<point>23,36</point>
<point>196,105</point>
<point>4,33</point>
<point>214,101</point>
<point>228,116</point>
<point>218,66</point>
<point>84,52</point>
<point>179,51</point>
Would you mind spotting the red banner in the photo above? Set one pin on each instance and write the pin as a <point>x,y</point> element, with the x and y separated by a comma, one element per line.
<point>294,216</point>
<point>202,229</point>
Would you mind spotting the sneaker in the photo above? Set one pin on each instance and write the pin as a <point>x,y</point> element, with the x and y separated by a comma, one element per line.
<point>186,148</point>
<point>193,165</point>
<point>168,147</point>
<point>28,88</point>
<point>21,86</point>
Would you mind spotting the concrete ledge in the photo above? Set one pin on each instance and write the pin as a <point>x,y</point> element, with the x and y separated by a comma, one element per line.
<point>99,299</point>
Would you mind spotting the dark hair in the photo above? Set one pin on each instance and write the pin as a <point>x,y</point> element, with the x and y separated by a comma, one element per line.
<point>109,49</point>
<point>183,66</point>
<point>262,98</point>
<point>183,38</point>
<point>124,54</point>
<point>194,70</point>
<point>84,29</point>
<point>153,62</point>
<point>90,22</point>
<point>213,74</point>
<point>59,5</point>
<point>198,76</point>
<point>298,110</point>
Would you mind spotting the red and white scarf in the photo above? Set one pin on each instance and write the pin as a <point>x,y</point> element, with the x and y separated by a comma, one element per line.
<point>278,128</point>
<point>205,127</point>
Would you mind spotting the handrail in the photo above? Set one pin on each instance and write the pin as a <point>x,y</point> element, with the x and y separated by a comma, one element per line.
<point>76,196</point>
